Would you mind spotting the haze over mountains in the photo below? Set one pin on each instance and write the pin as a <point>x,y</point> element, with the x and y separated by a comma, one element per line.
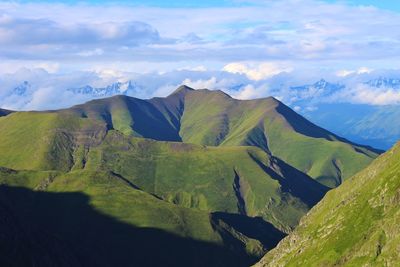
<point>359,107</point>
<point>221,179</point>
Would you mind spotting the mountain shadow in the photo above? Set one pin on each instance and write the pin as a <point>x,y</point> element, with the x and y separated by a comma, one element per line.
<point>255,228</point>
<point>294,181</point>
<point>63,229</point>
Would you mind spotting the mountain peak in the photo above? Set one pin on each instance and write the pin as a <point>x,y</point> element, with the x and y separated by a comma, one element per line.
<point>384,82</point>
<point>183,89</point>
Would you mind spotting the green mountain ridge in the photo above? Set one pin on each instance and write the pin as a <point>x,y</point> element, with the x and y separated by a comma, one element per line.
<point>356,224</point>
<point>214,118</point>
<point>199,168</point>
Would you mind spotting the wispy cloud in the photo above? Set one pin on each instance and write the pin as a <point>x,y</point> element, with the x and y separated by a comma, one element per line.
<point>264,31</point>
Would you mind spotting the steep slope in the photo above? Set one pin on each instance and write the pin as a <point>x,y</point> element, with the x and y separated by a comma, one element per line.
<point>356,224</point>
<point>214,118</point>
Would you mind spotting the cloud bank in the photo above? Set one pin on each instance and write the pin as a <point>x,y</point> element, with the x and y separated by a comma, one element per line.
<point>39,89</point>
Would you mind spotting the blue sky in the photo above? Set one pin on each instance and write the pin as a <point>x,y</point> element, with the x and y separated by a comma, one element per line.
<point>384,4</point>
<point>255,39</point>
<point>392,5</point>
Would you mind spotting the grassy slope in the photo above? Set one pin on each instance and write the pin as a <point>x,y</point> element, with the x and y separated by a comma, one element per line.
<point>230,179</point>
<point>45,141</point>
<point>356,224</point>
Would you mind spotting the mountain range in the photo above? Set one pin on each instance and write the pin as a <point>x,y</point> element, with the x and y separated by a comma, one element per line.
<point>196,178</point>
<point>321,102</point>
<point>373,125</point>
<point>118,88</point>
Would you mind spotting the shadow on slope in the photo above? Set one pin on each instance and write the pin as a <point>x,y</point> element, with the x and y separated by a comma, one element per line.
<point>62,229</point>
<point>255,228</point>
<point>150,122</point>
<point>294,181</point>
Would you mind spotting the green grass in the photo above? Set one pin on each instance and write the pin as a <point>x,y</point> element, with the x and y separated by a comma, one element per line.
<point>202,177</point>
<point>354,225</point>
<point>213,118</point>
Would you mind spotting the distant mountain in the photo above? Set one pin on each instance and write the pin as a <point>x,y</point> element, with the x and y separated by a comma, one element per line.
<point>356,224</point>
<point>383,82</point>
<point>361,123</point>
<point>318,89</point>
<point>118,88</point>
<point>365,124</point>
<point>119,180</point>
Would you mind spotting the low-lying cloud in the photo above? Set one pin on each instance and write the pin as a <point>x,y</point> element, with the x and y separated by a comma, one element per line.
<point>39,89</point>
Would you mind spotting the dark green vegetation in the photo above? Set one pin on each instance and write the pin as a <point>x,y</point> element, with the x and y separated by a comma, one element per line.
<point>197,178</point>
<point>356,224</point>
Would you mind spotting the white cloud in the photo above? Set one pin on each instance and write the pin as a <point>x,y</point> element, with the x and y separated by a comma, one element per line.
<point>344,73</point>
<point>365,94</point>
<point>297,108</point>
<point>363,70</point>
<point>250,92</point>
<point>89,53</point>
<point>257,71</point>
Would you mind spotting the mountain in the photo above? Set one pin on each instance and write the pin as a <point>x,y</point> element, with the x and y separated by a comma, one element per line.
<point>384,82</point>
<point>365,124</point>
<point>321,88</point>
<point>355,224</point>
<point>196,178</point>
<point>362,123</point>
<point>118,88</point>
<point>213,118</point>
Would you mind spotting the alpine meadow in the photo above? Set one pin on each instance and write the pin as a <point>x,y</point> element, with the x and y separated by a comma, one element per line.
<point>220,133</point>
